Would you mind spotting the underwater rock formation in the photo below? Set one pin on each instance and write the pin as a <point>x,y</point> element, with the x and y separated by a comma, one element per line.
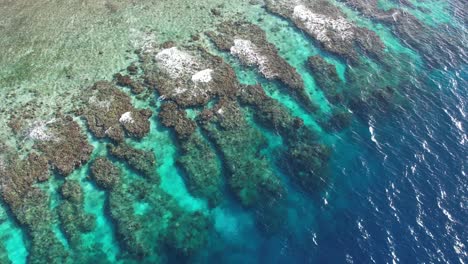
<point>30,206</point>
<point>304,160</point>
<point>174,117</point>
<point>109,113</point>
<point>104,173</point>
<point>433,45</point>
<point>142,161</point>
<point>198,160</point>
<point>64,145</point>
<point>147,219</point>
<point>190,76</point>
<point>249,176</point>
<point>73,219</point>
<point>327,78</point>
<point>248,42</point>
<point>326,24</point>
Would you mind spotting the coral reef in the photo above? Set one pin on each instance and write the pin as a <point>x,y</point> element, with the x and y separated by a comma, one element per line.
<point>63,144</point>
<point>142,161</point>
<point>104,173</point>
<point>326,24</point>
<point>72,217</point>
<point>304,160</point>
<point>189,76</point>
<point>248,42</point>
<point>203,176</point>
<point>144,233</point>
<point>249,176</point>
<point>174,117</point>
<point>30,206</point>
<point>327,78</point>
<point>415,33</point>
<point>109,113</point>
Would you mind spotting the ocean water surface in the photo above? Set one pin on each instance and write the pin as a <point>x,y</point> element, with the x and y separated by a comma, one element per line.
<point>376,172</point>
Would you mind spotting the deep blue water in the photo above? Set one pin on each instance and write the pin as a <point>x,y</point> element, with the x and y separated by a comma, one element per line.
<point>399,193</point>
<point>398,189</point>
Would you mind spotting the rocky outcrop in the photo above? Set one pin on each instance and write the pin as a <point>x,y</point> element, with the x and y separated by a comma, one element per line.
<point>250,177</point>
<point>109,113</point>
<point>327,25</point>
<point>141,161</point>
<point>248,42</point>
<point>327,78</point>
<point>190,76</point>
<point>105,174</point>
<point>437,46</point>
<point>63,144</point>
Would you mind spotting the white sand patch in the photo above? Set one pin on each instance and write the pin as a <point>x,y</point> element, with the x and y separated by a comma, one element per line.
<point>105,104</point>
<point>176,63</point>
<point>203,76</point>
<point>250,55</point>
<point>179,90</point>
<point>146,41</point>
<point>39,131</point>
<point>319,25</point>
<point>126,118</point>
<point>2,165</point>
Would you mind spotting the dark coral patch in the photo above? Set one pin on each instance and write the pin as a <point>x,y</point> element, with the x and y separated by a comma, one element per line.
<point>105,174</point>
<point>249,43</point>
<point>140,160</point>
<point>109,113</point>
<point>67,148</point>
<point>328,25</point>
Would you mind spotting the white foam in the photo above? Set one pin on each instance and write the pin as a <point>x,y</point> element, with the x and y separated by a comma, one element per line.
<point>320,25</point>
<point>203,76</point>
<point>176,63</point>
<point>126,118</point>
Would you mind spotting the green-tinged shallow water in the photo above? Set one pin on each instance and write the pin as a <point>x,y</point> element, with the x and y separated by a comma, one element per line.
<point>375,173</point>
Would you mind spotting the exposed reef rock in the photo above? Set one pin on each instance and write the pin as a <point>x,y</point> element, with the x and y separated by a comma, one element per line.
<point>109,113</point>
<point>142,161</point>
<point>249,44</point>
<point>190,76</point>
<point>63,144</point>
<point>326,24</point>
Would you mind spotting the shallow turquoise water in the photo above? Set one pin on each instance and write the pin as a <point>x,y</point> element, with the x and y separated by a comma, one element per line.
<point>396,191</point>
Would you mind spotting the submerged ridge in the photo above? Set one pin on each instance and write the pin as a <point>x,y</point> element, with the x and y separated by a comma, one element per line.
<point>295,131</point>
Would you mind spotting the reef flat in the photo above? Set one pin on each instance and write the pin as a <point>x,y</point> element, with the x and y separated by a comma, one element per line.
<point>209,131</point>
